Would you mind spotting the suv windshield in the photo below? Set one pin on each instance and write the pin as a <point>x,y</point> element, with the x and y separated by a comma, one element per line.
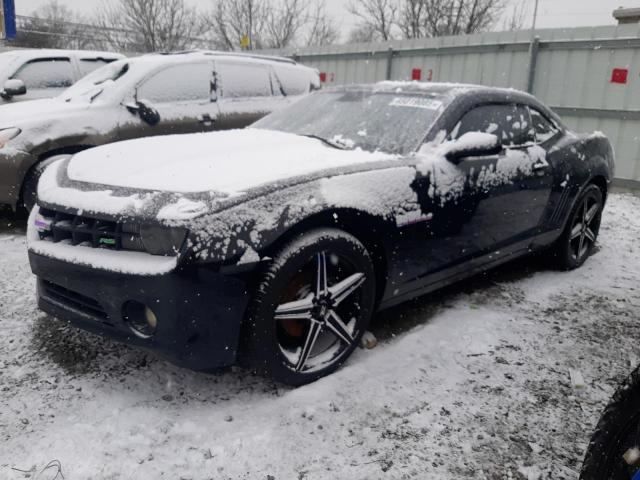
<point>91,86</point>
<point>386,121</point>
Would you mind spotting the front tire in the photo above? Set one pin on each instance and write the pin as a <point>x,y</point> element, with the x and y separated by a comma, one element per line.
<point>579,237</point>
<point>311,308</point>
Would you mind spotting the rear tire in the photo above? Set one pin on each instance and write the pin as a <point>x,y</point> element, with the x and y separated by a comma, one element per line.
<point>311,308</point>
<point>576,244</point>
<point>618,431</point>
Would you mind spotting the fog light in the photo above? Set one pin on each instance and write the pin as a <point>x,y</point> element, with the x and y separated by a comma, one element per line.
<point>141,319</point>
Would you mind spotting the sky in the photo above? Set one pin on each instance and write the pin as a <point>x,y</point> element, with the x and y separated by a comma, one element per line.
<point>552,13</point>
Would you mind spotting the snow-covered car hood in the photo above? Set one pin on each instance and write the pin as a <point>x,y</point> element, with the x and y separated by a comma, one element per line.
<point>35,111</point>
<point>227,162</point>
<point>180,177</point>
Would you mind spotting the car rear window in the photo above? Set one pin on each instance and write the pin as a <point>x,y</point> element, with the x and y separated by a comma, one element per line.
<point>294,80</point>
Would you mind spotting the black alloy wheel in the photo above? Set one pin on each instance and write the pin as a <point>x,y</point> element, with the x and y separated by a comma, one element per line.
<point>581,232</point>
<point>312,308</point>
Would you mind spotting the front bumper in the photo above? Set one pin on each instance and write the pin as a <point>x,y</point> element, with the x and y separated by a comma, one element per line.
<point>14,164</point>
<point>199,311</point>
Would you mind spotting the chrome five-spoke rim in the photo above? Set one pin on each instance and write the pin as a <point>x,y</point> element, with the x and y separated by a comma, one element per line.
<point>585,228</point>
<point>318,317</point>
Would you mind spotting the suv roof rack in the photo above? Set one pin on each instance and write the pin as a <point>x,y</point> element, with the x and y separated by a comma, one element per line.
<point>257,56</point>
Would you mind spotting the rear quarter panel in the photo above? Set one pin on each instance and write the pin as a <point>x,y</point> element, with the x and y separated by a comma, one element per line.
<point>578,160</point>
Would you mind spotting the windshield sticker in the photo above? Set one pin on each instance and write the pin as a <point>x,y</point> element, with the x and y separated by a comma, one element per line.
<point>415,102</point>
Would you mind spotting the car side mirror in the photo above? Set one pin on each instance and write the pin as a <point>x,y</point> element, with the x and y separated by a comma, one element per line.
<point>473,144</point>
<point>13,88</point>
<point>145,110</point>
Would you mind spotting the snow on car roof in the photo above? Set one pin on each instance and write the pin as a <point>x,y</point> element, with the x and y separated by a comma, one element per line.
<point>38,53</point>
<point>440,87</point>
<point>425,88</point>
<point>182,57</point>
<point>232,54</point>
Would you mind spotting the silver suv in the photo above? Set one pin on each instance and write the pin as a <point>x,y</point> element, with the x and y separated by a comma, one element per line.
<point>32,74</point>
<point>156,94</point>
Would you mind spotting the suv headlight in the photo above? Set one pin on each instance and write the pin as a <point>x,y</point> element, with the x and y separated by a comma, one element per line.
<point>8,134</point>
<point>158,240</point>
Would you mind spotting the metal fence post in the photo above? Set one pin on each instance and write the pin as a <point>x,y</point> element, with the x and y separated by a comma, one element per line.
<point>390,55</point>
<point>534,47</point>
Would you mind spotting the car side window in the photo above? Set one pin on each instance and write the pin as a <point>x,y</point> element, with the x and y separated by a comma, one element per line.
<point>510,123</point>
<point>88,65</point>
<point>190,82</point>
<point>544,128</point>
<point>46,73</point>
<point>244,80</point>
<point>294,80</point>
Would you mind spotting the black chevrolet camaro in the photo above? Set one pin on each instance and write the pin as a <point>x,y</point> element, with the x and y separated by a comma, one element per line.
<point>275,245</point>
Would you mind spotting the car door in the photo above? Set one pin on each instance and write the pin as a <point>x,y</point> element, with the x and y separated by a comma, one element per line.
<point>45,77</point>
<point>478,208</point>
<point>182,94</point>
<point>248,92</point>
<point>511,189</point>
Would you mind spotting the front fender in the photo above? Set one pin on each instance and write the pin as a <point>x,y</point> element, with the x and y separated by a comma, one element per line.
<point>252,227</point>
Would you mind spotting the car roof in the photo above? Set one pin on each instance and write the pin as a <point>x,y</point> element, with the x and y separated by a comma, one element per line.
<point>178,57</point>
<point>39,53</point>
<point>430,88</point>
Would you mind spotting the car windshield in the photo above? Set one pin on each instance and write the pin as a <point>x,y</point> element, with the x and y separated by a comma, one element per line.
<point>392,122</point>
<point>90,87</point>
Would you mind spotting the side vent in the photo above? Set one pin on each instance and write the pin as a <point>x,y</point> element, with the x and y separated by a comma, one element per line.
<point>561,206</point>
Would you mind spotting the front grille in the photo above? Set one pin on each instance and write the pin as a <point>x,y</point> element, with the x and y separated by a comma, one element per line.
<point>74,300</point>
<point>86,231</point>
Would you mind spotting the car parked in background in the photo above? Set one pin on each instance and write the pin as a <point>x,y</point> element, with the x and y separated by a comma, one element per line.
<point>34,74</point>
<point>276,244</point>
<point>156,94</point>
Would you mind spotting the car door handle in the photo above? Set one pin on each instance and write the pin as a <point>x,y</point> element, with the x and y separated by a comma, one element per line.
<point>206,120</point>
<point>541,164</point>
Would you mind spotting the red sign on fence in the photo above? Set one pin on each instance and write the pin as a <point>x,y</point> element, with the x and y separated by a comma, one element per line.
<point>620,75</point>
<point>416,74</point>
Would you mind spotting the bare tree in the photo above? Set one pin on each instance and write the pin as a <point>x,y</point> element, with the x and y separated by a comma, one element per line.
<point>412,17</point>
<point>284,23</point>
<point>376,16</point>
<point>457,17</point>
<point>322,29</point>
<point>516,18</point>
<point>362,34</point>
<point>50,26</point>
<point>230,21</point>
<point>149,25</point>
<point>270,23</point>
<point>425,18</point>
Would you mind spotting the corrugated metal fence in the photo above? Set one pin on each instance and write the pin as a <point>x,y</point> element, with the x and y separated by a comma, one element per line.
<point>590,76</point>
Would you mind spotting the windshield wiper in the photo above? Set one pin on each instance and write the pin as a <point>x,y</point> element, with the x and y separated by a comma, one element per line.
<point>328,142</point>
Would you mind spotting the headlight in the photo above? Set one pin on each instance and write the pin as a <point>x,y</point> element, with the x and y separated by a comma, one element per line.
<point>8,134</point>
<point>158,240</point>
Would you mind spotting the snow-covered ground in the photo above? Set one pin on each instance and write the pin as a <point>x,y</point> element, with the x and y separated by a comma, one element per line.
<point>471,382</point>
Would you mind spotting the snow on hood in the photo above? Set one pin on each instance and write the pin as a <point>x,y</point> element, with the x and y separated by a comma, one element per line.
<point>16,114</point>
<point>228,162</point>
